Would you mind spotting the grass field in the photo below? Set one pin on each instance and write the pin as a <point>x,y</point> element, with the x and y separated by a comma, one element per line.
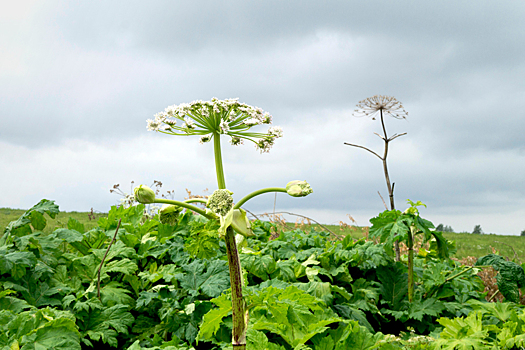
<point>60,221</point>
<point>467,244</point>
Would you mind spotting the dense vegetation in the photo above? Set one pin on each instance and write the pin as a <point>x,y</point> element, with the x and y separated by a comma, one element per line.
<point>467,245</point>
<point>159,286</point>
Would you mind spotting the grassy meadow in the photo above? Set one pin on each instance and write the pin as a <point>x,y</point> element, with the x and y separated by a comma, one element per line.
<point>511,247</point>
<point>467,244</point>
<point>60,221</point>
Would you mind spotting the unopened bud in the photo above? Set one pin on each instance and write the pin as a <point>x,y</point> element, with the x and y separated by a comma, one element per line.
<point>144,194</point>
<point>169,214</point>
<point>298,188</point>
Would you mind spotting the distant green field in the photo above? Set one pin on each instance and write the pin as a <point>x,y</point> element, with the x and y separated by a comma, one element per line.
<point>7,215</point>
<point>467,244</point>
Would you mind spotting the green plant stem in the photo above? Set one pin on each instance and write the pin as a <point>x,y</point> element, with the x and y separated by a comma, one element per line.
<point>410,266</point>
<point>184,205</point>
<point>256,193</point>
<point>234,264</point>
<point>493,296</point>
<point>104,258</point>
<point>448,279</point>
<point>238,304</point>
<point>221,182</point>
<point>196,200</point>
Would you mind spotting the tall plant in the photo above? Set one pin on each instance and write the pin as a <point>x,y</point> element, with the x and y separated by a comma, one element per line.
<point>210,120</point>
<point>393,226</point>
<point>382,106</point>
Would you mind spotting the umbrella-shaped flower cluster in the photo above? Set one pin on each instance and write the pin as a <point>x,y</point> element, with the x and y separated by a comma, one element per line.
<point>217,117</point>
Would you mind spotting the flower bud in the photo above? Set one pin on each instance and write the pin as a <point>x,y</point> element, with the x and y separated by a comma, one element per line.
<point>144,194</point>
<point>220,202</point>
<point>169,214</point>
<point>298,188</point>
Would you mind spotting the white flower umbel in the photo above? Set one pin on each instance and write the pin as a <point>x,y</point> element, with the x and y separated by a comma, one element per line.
<point>217,117</point>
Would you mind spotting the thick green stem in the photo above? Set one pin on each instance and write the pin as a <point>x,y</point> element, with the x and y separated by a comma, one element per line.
<point>410,266</point>
<point>234,263</point>
<point>184,205</point>
<point>238,306</point>
<point>256,193</point>
<point>218,161</point>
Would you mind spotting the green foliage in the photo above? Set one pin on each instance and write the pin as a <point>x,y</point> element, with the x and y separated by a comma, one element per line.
<point>510,275</point>
<point>33,219</point>
<point>393,225</point>
<point>44,328</point>
<point>164,287</point>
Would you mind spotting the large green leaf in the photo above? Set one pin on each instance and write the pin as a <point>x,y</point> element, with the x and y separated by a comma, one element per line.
<point>44,329</point>
<point>394,284</point>
<point>357,337</point>
<point>57,334</point>
<point>16,262</point>
<point>32,217</point>
<point>463,333</point>
<point>105,324</point>
<point>291,313</point>
<point>13,304</point>
<point>212,282</point>
<point>114,293</point>
<point>212,320</point>
<point>510,275</point>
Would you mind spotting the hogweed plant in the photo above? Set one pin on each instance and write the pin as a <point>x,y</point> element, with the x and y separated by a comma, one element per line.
<point>394,226</point>
<point>382,106</point>
<point>210,120</point>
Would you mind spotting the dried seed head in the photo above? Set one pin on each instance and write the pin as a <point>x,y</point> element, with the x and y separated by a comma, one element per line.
<point>369,107</point>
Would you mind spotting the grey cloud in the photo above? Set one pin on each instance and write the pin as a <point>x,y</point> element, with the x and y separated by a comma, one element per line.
<point>97,70</point>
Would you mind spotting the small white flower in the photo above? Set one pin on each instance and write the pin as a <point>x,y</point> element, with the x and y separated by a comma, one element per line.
<point>236,141</point>
<point>252,122</point>
<point>275,131</point>
<point>266,118</point>
<point>224,127</point>
<point>264,145</point>
<point>152,125</point>
<point>188,123</point>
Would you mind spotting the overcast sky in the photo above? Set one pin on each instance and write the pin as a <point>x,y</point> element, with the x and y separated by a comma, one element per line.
<point>79,79</point>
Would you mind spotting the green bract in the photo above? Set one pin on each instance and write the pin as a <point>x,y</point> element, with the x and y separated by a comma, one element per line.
<point>169,214</point>
<point>241,224</point>
<point>144,194</point>
<point>298,188</point>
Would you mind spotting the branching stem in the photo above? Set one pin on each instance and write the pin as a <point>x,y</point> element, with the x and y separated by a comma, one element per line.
<point>184,205</point>
<point>256,193</point>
